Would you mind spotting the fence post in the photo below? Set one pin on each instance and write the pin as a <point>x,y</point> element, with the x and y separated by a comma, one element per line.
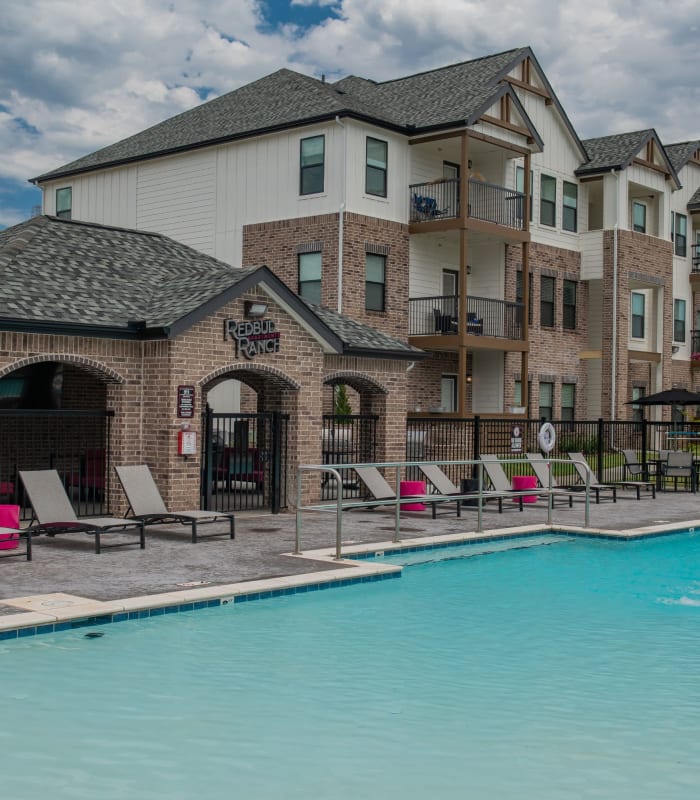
<point>476,445</point>
<point>276,466</point>
<point>645,433</point>
<point>601,434</point>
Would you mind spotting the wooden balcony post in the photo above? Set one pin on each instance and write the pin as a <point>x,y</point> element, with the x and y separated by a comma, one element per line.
<point>463,249</point>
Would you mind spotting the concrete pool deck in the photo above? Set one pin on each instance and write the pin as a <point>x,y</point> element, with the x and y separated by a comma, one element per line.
<point>67,581</point>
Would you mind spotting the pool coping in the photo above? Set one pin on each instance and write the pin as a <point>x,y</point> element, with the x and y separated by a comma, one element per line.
<point>49,613</point>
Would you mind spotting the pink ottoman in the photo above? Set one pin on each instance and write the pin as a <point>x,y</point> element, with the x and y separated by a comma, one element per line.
<point>412,489</point>
<point>522,483</point>
<point>9,518</point>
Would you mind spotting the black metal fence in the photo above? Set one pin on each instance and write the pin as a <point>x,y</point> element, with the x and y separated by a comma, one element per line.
<point>347,440</point>
<point>244,461</point>
<point>601,442</point>
<point>76,443</point>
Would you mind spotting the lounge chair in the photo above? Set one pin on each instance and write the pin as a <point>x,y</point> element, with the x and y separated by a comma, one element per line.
<point>498,479</point>
<point>379,489</point>
<point>546,479</point>
<point>54,513</point>
<point>442,484</point>
<point>146,504</point>
<point>579,460</point>
<point>638,473</point>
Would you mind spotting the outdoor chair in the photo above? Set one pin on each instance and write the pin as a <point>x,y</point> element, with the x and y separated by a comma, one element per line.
<point>499,480</point>
<point>680,466</point>
<point>10,539</point>
<point>146,504</point>
<point>375,483</point>
<point>579,460</point>
<point>442,484</point>
<point>638,472</point>
<point>546,479</point>
<point>54,513</point>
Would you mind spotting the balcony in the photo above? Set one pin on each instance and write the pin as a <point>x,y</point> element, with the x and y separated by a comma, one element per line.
<point>439,200</point>
<point>439,316</point>
<point>695,349</point>
<point>695,255</point>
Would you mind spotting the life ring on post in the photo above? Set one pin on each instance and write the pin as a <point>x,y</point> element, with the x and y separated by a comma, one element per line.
<point>547,437</point>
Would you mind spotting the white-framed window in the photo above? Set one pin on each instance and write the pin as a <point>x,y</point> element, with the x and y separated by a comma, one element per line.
<point>638,315</point>
<point>679,320</point>
<point>311,164</point>
<point>548,200</point>
<point>375,282</point>
<point>64,202</point>
<point>679,233</point>
<point>639,217</point>
<point>376,167</point>
<point>310,277</point>
<point>637,411</point>
<point>568,401</point>
<point>569,211</point>
<point>568,316</point>
<point>546,399</point>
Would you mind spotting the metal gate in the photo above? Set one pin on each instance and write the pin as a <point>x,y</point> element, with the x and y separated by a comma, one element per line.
<point>350,439</point>
<point>244,461</point>
<point>76,443</point>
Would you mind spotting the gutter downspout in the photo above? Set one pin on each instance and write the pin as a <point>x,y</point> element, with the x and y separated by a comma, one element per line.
<point>341,215</point>
<point>613,364</point>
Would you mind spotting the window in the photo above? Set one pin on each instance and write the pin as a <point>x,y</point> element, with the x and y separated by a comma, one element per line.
<point>311,165</point>
<point>568,401</point>
<point>569,212</point>
<point>548,200</point>
<point>519,293</point>
<point>375,267</point>
<point>546,400</point>
<point>638,315</point>
<point>375,174</point>
<point>448,392</point>
<point>679,233</point>
<point>546,301</point>
<point>520,185</point>
<point>639,217</point>
<point>310,277</point>
<point>679,320</point>
<point>637,411</point>
<point>518,394</point>
<point>64,202</point>
<point>569,306</point>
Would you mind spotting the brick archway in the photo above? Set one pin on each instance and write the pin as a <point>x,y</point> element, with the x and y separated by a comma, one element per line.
<point>95,368</point>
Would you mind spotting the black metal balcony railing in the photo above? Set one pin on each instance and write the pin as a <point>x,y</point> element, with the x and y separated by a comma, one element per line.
<point>695,254</point>
<point>440,200</point>
<point>695,343</point>
<point>428,316</point>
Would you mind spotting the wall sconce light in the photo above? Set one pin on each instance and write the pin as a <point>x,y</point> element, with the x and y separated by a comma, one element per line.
<point>469,269</point>
<point>674,349</point>
<point>469,378</point>
<point>254,308</point>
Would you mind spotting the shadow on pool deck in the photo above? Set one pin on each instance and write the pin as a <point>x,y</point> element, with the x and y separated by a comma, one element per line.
<point>69,564</point>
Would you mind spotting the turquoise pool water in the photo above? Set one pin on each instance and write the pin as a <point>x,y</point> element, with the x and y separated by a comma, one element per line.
<point>566,669</point>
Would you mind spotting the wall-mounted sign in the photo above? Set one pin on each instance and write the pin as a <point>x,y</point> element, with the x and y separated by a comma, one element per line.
<point>516,439</point>
<point>253,337</point>
<point>185,402</point>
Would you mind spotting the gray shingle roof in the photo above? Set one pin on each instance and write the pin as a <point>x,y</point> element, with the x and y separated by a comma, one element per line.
<point>613,152</point>
<point>680,152</point>
<point>427,100</point>
<point>694,202</point>
<point>99,278</point>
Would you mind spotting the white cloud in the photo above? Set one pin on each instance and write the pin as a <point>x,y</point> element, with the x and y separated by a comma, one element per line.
<point>77,76</point>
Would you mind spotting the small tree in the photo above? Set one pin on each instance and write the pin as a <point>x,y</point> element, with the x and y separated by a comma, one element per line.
<point>341,404</point>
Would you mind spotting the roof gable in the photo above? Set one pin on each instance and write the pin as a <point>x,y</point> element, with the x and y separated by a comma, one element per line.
<point>683,153</point>
<point>619,151</point>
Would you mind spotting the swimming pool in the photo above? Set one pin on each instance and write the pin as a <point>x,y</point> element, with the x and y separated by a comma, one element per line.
<point>556,667</point>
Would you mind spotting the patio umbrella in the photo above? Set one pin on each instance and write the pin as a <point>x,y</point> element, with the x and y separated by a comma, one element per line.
<point>669,397</point>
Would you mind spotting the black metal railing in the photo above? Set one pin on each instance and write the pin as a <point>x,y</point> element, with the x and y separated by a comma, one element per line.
<point>601,442</point>
<point>348,439</point>
<point>486,316</point>
<point>695,343</point>
<point>496,204</point>
<point>439,199</point>
<point>75,443</point>
<point>695,255</point>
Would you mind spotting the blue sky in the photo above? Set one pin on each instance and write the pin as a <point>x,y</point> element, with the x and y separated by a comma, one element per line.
<point>77,76</point>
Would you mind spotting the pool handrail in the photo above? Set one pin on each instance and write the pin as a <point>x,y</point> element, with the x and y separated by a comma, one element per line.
<point>400,466</point>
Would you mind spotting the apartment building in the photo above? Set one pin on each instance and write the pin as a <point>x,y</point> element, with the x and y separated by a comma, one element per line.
<point>504,266</point>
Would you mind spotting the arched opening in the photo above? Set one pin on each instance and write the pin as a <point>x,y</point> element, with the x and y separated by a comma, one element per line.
<point>249,432</point>
<point>354,406</point>
<point>55,414</point>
